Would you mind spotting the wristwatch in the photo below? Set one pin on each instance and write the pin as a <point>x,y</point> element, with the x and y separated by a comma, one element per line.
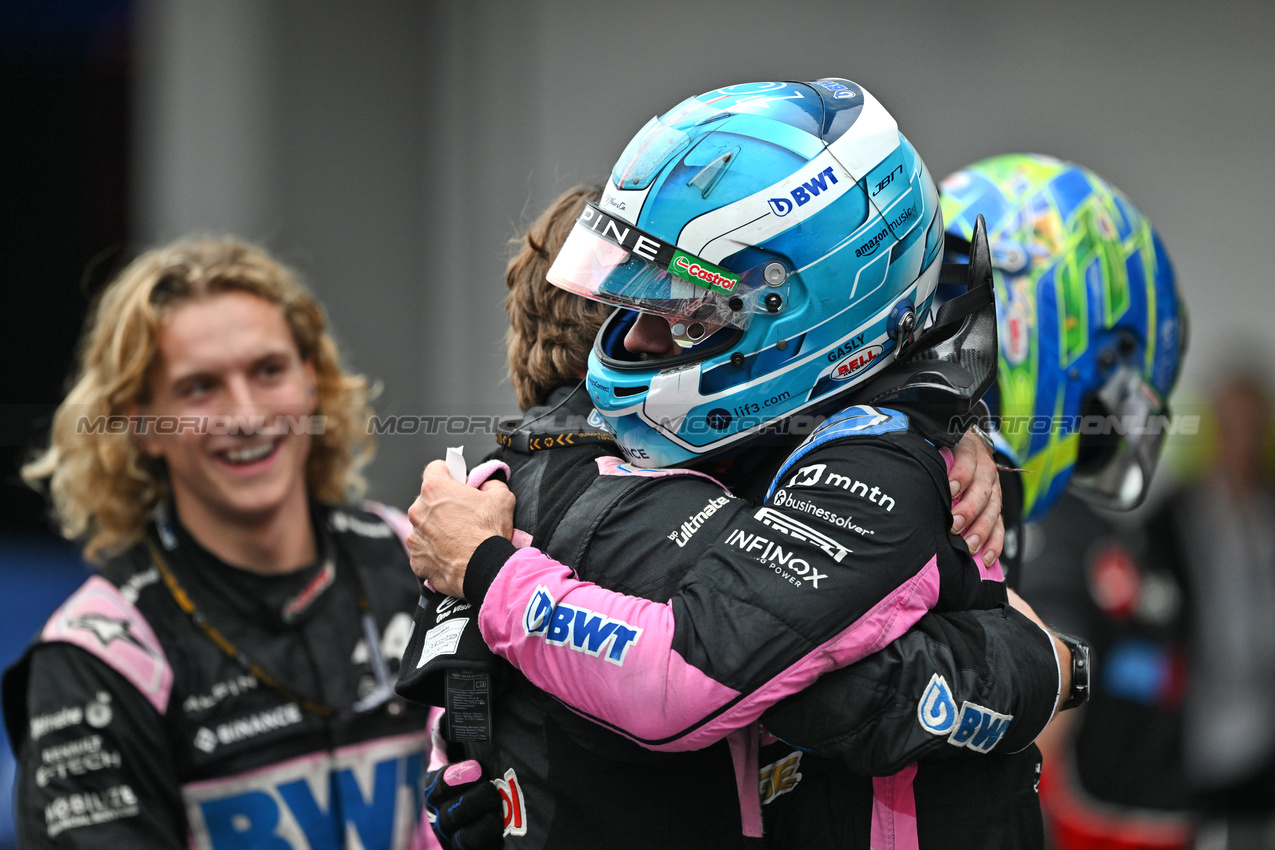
<point>984,436</point>
<point>1080,666</point>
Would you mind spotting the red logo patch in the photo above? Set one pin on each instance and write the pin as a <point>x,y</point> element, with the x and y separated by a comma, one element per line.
<point>856,363</point>
<point>512,805</point>
<point>1115,582</point>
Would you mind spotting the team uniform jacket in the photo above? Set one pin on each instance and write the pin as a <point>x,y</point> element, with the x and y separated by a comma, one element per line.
<point>132,729</point>
<point>848,551</point>
<point>844,777</point>
<point>566,782</point>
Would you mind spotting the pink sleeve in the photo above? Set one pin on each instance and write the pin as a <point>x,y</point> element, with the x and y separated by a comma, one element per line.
<point>611,656</point>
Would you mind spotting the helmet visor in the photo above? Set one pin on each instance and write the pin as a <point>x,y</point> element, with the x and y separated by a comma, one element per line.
<point>1135,419</point>
<point>606,259</point>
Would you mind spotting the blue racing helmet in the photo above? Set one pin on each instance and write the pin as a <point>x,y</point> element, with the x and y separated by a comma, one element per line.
<point>792,238</point>
<point>1092,329</point>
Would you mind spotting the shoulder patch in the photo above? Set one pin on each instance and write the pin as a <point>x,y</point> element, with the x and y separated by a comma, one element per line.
<point>858,421</point>
<point>973,726</point>
<point>98,618</point>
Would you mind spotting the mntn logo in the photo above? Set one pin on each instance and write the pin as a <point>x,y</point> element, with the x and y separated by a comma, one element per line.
<point>974,726</point>
<point>579,628</point>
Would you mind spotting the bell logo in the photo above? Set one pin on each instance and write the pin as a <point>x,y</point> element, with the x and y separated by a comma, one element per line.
<point>808,476</point>
<point>856,363</point>
<point>512,805</point>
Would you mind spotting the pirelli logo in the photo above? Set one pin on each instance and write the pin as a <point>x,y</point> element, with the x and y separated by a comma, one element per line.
<point>797,530</point>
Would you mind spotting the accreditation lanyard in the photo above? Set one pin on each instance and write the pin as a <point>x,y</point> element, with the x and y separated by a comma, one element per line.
<point>381,694</point>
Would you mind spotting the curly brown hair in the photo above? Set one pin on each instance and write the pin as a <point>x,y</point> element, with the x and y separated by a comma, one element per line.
<point>550,329</point>
<point>104,487</point>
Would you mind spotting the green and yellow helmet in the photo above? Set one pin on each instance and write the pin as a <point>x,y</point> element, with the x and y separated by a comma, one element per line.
<point>1092,330</point>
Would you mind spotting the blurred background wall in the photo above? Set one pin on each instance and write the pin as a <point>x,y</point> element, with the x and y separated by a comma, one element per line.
<point>390,150</point>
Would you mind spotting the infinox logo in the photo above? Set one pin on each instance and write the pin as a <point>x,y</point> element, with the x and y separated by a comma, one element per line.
<point>856,363</point>
<point>701,273</point>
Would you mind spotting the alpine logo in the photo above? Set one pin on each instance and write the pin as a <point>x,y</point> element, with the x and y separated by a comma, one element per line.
<point>579,628</point>
<point>797,530</point>
<point>856,363</point>
<point>803,193</point>
<point>974,727</point>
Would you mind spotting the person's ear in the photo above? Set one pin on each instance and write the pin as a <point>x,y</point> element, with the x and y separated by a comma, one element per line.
<point>311,383</point>
<point>144,439</point>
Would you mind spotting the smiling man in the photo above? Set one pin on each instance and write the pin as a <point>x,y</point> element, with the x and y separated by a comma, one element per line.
<point>224,680</point>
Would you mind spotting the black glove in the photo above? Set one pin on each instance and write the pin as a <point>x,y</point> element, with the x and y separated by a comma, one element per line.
<point>463,808</point>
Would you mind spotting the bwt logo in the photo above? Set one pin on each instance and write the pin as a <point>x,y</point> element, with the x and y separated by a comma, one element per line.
<point>803,193</point>
<point>364,805</point>
<point>579,628</point>
<point>974,726</point>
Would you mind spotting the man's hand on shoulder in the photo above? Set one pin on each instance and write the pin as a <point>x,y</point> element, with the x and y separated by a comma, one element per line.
<point>976,495</point>
<point>449,521</point>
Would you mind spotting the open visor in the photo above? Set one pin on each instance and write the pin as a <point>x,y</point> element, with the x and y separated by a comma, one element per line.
<point>1130,430</point>
<point>609,260</point>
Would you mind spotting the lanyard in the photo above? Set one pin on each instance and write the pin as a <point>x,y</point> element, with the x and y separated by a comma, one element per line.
<point>381,694</point>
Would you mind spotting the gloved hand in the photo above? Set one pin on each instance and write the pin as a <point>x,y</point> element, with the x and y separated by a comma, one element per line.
<point>464,808</point>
